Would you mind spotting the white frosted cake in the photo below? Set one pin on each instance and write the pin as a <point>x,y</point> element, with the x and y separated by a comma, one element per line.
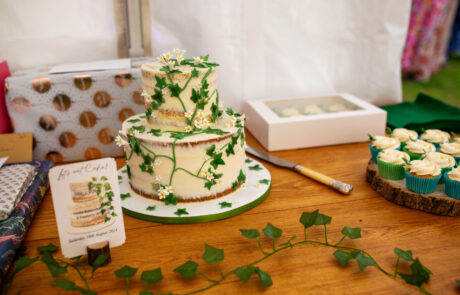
<point>185,147</point>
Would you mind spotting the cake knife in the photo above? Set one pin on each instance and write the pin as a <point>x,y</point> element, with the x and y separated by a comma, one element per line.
<point>339,186</point>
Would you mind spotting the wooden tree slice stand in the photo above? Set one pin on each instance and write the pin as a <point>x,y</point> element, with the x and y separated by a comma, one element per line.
<point>395,191</point>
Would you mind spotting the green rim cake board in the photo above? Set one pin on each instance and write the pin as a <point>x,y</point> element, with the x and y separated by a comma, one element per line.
<point>241,200</point>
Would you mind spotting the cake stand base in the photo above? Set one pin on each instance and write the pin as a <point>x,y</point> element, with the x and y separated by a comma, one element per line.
<point>395,191</point>
<point>258,184</point>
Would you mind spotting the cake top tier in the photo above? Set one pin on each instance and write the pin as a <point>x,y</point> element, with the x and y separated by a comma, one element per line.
<point>177,89</point>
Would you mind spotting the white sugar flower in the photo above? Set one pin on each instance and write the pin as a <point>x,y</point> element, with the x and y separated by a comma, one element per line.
<point>188,114</point>
<point>243,185</point>
<point>205,123</point>
<point>157,163</point>
<point>197,60</point>
<point>183,51</point>
<point>220,182</point>
<point>199,86</point>
<point>188,129</point>
<point>200,115</point>
<point>204,172</point>
<point>228,123</point>
<point>160,59</point>
<point>233,119</point>
<point>168,190</point>
<point>198,124</point>
<point>258,185</point>
<point>180,58</point>
<point>171,64</point>
<point>120,141</point>
<point>136,132</point>
<point>176,50</point>
<point>210,176</point>
<point>148,99</point>
<point>161,195</point>
<point>145,94</point>
<point>164,91</point>
<point>167,55</point>
<point>206,157</point>
<point>157,178</point>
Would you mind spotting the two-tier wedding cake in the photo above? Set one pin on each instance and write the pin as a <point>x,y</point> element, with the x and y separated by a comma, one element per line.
<point>185,147</point>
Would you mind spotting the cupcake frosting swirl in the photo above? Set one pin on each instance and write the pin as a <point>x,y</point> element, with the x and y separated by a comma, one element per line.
<point>424,167</point>
<point>383,143</point>
<point>404,135</point>
<point>457,139</point>
<point>435,135</point>
<point>393,156</point>
<point>450,148</point>
<point>420,147</point>
<point>454,174</point>
<point>443,160</point>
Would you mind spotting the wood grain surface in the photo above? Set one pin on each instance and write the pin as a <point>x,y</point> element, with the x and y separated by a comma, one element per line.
<point>301,270</point>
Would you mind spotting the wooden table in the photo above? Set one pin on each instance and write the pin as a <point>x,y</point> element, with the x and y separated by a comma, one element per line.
<point>304,269</point>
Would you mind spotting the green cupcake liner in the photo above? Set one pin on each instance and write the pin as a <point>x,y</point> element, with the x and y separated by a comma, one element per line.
<point>452,187</point>
<point>390,171</point>
<point>412,155</point>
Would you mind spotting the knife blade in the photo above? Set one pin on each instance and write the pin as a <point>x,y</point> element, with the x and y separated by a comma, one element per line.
<point>339,186</point>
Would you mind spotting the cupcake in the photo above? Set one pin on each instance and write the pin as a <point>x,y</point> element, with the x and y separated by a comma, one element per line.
<point>422,176</point>
<point>313,109</point>
<point>290,112</point>
<point>435,136</point>
<point>452,180</point>
<point>380,143</point>
<point>391,164</point>
<point>457,139</point>
<point>452,149</point>
<point>403,135</point>
<point>417,148</point>
<point>444,161</point>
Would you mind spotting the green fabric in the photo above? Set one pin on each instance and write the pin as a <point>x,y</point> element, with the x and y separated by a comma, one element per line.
<point>425,113</point>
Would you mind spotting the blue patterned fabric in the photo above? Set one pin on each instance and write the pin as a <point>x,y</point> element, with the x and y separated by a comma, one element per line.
<point>454,45</point>
<point>13,229</point>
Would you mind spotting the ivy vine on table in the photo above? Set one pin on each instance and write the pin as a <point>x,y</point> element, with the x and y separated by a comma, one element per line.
<point>418,276</point>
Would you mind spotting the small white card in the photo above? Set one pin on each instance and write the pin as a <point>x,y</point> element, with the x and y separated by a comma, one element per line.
<point>87,204</point>
<point>112,64</point>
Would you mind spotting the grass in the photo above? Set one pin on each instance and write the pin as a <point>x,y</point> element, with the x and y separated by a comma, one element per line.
<point>443,85</point>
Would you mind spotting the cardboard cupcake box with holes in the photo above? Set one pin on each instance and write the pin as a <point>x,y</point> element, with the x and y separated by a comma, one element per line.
<point>75,115</point>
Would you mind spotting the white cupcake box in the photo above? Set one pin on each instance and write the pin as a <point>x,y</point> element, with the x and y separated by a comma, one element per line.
<point>293,123</point>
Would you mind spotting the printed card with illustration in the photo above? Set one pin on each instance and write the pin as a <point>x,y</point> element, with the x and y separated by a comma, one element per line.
<point>87,204</point>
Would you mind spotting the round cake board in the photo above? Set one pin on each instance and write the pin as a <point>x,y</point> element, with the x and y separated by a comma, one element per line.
<point>258,184</point>
<point>395,191</point>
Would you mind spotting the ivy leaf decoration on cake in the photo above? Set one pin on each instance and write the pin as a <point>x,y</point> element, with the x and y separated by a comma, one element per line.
<point>256,167</point>
<point>181,211</point>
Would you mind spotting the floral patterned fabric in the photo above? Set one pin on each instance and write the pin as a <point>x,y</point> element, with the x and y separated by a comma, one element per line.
<point>428,36</point>
<point>13,229</point>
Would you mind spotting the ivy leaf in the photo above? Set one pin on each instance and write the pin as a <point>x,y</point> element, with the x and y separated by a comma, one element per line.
<point>250,233</point>
<point>195,96</point>
<point>23,262</point>
<point>343,256</point>
<point>53,266</point>
<point>245,273</point>
<point>308,219</point>
<point>225,205</point>
<point>230,151</point>
<point>181,211</point>
<point>210,150</point>
<point>175,89</point>
<point>49,248</point>
<point>178,135</point>
<point>215,131</point>
<point>212,255</point>
<point>125,272</point>
<point>406,255</point>
<point>134,121</point>
<point>152,276</point>
<point>271,231</point>
<point>229,111</point>
<point>103,178</point>
<point>65,284</point>
<point>125,196</point>
<point>217,160</point>
<point>265,278</point>
<point>107,186</point>
<point>322,219</point>
<point>241,177</point>
<point>187,270</point>
<point>98,262</point>
<point>171,199</point>
<point>151,208</point>
<point>256,167</point>
<point>420,274</point>
<point>161,82</point>
<point>364,261</point>
<point>209,184</point>
<point>235,185</point>
<point>248,160</point>
<point>352,233</point>
<point>264,181</point>
<point>194,73</point>
<point>155,132</point>
<point>141,128</point>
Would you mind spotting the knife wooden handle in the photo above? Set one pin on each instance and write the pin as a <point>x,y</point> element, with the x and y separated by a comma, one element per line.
<point>339,186</point>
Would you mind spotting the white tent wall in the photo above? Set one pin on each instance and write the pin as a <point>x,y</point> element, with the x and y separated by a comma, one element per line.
<point>280,48</point>
<point>38,33</point>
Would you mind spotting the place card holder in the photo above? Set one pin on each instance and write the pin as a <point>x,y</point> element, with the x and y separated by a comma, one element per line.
<point>96,249</point>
